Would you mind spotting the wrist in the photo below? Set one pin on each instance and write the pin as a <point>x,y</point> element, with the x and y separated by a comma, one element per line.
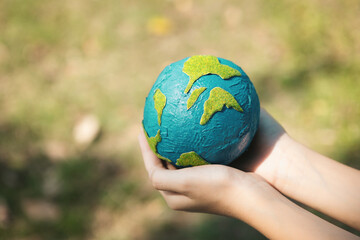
<point>260,205</point>
<point>249,195</point>
<point>277,166</point>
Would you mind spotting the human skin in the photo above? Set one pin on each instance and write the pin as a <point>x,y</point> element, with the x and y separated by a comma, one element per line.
<point>304,175</point>
<point>279,164</point>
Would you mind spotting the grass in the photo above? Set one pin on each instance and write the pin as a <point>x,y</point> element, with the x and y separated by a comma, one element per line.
<point>62,60</point>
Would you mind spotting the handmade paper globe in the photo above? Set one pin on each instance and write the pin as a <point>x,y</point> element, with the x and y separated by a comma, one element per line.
<point>201,110</point>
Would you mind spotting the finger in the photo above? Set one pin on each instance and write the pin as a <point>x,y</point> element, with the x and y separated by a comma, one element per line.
<point>182,181</point>
<point>170,180</point>
<point>170,166</point>
<point>161,178</point>
<point>169,193</point>
<point>150,160</point>
<point>177,201</point>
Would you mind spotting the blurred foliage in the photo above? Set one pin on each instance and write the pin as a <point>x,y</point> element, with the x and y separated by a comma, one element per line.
<point>63,60</point>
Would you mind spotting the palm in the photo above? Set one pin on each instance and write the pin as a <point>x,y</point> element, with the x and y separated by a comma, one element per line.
<point>269,132</point>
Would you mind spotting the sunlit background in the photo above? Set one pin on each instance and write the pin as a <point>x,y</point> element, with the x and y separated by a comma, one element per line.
<point>73,80</point>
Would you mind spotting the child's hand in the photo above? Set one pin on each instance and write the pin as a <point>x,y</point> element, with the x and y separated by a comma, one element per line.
<point>302,174</point>
<point>291,168</point>
<point>263,154</point>
<point>211,188</point>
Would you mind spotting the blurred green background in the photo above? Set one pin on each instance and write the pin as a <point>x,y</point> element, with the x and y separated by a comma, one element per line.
<point>73,80</point>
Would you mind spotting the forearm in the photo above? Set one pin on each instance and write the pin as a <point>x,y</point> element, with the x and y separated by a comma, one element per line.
<point>315,180</point>
<point>278,218</point>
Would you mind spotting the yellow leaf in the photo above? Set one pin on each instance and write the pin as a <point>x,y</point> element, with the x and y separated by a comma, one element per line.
<point>159,26</point>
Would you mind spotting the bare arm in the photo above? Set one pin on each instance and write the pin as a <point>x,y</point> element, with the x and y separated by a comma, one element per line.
<point>302,174</point>
<point>247,196</point>
<point>278,218</point>
<point>315,180</point>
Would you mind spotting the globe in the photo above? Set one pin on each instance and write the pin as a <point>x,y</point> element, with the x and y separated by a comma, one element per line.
<point>201,110</point>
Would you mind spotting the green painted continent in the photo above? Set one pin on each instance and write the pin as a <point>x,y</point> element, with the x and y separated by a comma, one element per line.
<point>217,100</point>
<point>190,159</point>
<point>197,66</point>
<point>194,96</point>
<point>153,142</point>
<point>160,102</point>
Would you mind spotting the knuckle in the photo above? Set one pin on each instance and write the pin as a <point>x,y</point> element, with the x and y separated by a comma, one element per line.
<point>154,179</point>
<point>174,206</point>
<point>185,188</point>
<point>224,175</point>
<point>155,185</point>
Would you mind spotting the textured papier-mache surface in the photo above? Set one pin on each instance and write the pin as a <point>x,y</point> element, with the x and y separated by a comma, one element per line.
<point>197,114</point>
